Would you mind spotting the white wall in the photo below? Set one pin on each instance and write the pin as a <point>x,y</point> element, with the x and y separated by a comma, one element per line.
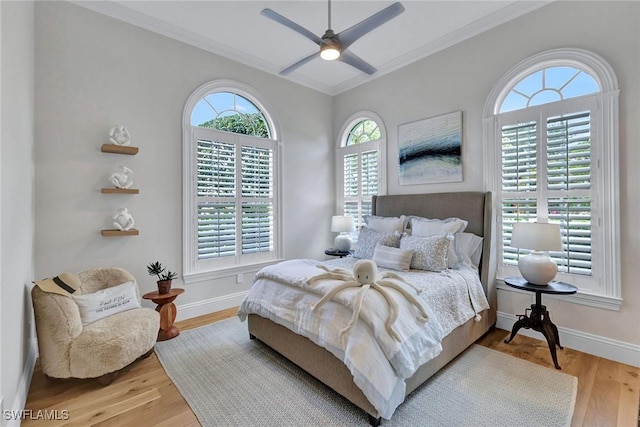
<point>93,72</point>
<point>461,77</point>
<point>17,216</point>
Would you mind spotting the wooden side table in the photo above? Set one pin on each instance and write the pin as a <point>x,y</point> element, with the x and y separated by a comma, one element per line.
<point>539,319</point>
<point>167,310</point>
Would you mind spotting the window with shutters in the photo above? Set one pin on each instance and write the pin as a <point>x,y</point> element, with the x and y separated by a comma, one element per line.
<point>553,135</point>
<point>360,165</point>
<point>230,162</point>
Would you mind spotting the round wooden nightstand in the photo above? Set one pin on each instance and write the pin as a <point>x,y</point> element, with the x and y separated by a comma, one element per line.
<point>539,319</point>
<point>167,310</point>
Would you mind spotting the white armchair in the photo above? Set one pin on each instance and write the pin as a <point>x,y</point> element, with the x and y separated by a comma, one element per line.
<point>100,349</point>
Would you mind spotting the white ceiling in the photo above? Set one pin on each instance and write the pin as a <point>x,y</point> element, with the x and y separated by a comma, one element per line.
<point>236,30</point>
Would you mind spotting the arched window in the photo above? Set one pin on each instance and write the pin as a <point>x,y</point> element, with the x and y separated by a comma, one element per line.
<point>551,125</point>
<point>230,180</point>
<point>550,84</point>
<point>360,164</point>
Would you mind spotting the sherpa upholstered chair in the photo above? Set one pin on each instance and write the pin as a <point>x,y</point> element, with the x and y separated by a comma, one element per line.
<point>100,349</point>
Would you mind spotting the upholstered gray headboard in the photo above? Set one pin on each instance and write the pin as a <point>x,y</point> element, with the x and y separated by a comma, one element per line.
<point>473,206</point>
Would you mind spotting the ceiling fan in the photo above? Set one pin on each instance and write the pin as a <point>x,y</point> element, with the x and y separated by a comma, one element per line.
<point>335,46</point>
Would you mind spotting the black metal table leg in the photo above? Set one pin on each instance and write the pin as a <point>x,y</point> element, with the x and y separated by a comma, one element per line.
<point>538,319</point>
<point>522,322</point>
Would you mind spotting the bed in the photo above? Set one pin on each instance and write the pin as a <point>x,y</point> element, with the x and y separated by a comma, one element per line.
<point>476,209</point>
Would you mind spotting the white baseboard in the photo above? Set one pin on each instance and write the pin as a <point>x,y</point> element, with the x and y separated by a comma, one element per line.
<point>200,308</point>
<point>606,348</point>
<point>23,386</point>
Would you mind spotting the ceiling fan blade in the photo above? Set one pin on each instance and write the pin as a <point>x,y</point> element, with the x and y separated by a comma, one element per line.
<point>298,64</point>
<point>354,60</point>
<point>351,34</point>
<point>289,23</point>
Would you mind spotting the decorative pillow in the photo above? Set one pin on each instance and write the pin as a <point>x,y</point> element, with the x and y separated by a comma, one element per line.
<point>394,258</point>
<point>368,239</point>
<point>429,252</point>
<point>431,227</point>
<point>469,248</point>
<point>107,302</point>
<point>385,224</point>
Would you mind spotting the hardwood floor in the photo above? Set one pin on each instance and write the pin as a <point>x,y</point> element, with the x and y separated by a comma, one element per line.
<point>143,395</point>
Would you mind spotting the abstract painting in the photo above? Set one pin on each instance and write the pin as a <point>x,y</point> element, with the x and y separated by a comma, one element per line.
<point>430,150</point>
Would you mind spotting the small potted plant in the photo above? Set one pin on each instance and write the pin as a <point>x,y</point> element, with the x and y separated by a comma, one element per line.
<point>164,276</point>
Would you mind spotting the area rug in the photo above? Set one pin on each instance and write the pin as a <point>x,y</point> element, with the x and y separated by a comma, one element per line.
<point>229,380</point>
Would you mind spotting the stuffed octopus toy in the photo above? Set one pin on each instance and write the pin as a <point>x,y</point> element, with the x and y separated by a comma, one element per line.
<point>365,275</point>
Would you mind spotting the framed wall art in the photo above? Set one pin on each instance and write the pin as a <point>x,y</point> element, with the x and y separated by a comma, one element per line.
<point>430,150</point>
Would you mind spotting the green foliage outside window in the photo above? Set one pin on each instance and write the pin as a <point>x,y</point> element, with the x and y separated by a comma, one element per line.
<point>242,123</point>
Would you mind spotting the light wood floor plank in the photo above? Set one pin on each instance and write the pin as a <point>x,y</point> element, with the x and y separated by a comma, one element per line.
<point>143,395</point>
<point>606,388</point>
<point>629,394</point>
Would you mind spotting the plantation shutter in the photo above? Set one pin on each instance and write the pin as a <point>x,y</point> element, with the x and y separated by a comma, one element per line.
<point>360,183</point>
<point>519,180</point>
<point>216,186</point>
<point>549,177</point>
<point>257,200</point>
<point>351,186</point>
<point>235,199</point>
<point>569,188</point>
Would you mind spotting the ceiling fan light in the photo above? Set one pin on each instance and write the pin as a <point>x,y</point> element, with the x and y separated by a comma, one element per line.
<point>329,53</point>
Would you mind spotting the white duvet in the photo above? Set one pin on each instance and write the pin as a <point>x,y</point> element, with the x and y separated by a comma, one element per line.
<point>378,363</point>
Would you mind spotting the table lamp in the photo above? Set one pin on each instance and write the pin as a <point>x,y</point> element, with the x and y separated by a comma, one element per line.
<point>342,225</point>
<point>537,267</point>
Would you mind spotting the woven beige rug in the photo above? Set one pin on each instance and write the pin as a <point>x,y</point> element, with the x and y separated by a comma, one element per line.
<point>229,380</point>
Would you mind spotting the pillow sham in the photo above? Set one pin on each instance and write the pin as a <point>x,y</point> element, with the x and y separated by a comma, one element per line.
<point>368,239</point>
<point>430,227</point>
<point>393,258</point>
<point>385,224</point>
<point>107,302</point>
<point>469,248</point>
<point>429,252</point>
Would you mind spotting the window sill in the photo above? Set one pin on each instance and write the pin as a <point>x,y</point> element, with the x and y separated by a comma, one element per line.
<point>582,297</point>
<point>203,276</point>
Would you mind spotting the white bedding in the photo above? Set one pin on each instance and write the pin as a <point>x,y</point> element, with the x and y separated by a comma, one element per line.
<point>378,364</point>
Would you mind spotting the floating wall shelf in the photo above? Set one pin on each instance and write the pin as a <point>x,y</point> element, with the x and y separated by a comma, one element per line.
<point>116,233</point>
<point>120,190</point>
<point>119,149</point>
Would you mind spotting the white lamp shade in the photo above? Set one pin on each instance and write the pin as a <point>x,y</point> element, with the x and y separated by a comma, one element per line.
<point>340,224</point>
<point>537,267</point>
<point>537,236</point>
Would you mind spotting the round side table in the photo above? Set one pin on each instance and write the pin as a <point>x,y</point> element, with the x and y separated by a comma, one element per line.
<point>167,310</point>
<point>539,319</point>
<point>336,252</point>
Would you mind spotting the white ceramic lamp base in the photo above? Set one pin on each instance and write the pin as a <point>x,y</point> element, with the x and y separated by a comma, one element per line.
<point>537,268</point>
<point>343,242</point>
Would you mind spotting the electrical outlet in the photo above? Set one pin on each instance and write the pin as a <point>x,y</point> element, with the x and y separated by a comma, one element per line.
<point>239,278</point>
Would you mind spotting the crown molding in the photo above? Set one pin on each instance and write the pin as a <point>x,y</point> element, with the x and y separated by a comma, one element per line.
<point>125,14</point>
